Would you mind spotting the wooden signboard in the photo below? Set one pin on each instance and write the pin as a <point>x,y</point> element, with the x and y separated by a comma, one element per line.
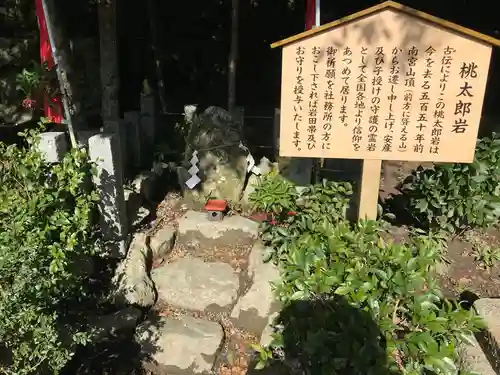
<point>387,83</point>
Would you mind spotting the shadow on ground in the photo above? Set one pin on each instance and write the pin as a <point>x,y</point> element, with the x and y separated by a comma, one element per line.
<point>120,356</point>
<point>329,337</point>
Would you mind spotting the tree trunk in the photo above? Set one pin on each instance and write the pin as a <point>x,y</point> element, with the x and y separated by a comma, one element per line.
<point>160,86</point>
<point>110,111</point>
<point>233,56</point>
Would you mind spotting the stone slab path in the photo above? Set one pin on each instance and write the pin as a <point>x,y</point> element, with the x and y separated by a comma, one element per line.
<point>191,283</point>
<point>208,282</point>
<point>180,346</point>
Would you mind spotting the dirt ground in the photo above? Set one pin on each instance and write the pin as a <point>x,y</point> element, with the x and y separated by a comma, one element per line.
<point>463,272</point>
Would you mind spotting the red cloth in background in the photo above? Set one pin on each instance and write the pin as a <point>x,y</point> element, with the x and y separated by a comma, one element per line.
<point>310,14</point>
<point>52,106</point>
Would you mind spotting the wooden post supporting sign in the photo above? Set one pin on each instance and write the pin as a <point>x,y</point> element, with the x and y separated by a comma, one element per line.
<point>364,87</point>
<point>369,188</point>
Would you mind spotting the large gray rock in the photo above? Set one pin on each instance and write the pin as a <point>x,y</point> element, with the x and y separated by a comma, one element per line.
<point>178,347</point>
<point>256,309</point>
<point>195,228</point>
<point>297,170</point>
<point>162,242</point>
<point>136,212</point>
<point>215,135</point>
<point>14,49</point>
<point>195,285</point>
<point>131,283</point>
<point>489,310</point>
<point>145,183</point>
<point>475,359</point>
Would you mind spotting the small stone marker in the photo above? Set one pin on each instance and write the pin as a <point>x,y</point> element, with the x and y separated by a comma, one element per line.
<point>53,146</point>
<point>134,138</point>
<point>363,87</point>
<point>104,151</point>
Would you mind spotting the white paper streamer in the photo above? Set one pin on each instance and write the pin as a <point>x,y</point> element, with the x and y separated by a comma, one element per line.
<point>251,167</point>
<point>194,179</point>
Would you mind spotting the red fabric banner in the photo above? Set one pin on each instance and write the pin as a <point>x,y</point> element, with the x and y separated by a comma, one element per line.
<point>310,14</point>
<point>52,106</point>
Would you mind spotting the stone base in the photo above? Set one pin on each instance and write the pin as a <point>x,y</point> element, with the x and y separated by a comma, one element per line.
<point>195,228</point>
<point>255,308</point>
<point>489,310</point>
<point>195,285</point>
<point>179,347</point>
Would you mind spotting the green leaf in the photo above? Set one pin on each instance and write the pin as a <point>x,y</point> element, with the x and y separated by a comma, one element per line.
<point>449,364</point>
<point>466,338</point>
<point>422,205</point>
<point>343,290</point>
<point>267,254</point>
<point>260,365</point>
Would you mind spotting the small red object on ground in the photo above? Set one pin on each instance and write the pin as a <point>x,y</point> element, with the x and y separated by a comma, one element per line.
<point>219,205</point>
<point>259,216</point>
<point>269,217</point>
<point>215,209</point>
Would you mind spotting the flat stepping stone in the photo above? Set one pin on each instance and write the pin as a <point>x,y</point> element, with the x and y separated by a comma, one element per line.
<point>476,359</point>
<point>195,228</point>
<point>195,285</point>
<point>489,310</point>
<point>179,346</point>
<point>162,241</point>
<point>256,309</point>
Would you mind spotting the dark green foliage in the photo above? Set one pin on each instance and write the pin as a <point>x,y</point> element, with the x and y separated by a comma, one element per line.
<point>457,196</point>
<point>46,230</point>
<point>354,302</point>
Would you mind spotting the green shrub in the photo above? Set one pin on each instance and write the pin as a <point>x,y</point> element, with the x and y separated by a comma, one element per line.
<point>458,196</point>
<point>354,301</point>
<point>46,228</point>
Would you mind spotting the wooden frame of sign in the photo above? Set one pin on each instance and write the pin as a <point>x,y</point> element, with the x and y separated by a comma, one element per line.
<point>386,83</point>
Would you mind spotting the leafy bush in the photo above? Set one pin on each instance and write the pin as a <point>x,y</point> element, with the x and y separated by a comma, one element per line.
<point>458,196</point>
<point>378,297</point>
<point>46,227</point>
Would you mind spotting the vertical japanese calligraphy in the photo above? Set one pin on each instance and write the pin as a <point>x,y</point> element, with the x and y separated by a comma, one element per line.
<point>359,105</point>
<point>298,92</point>
<point>424,100</point>
<point>313,100</point>
<point>375,102</point>
<point>388,97</point>
<point>390,120</point>
<point>405,120</point>
<point>439,110</point>
<point>468,73</point>
<point>330,75</point>
<point>345,88</point>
